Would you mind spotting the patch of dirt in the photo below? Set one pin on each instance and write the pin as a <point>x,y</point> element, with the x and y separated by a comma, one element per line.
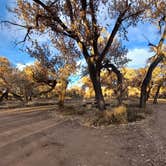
<point>34,138</point>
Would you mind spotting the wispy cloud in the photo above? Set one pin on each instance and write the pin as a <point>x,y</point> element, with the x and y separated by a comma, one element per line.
<point>21,66</point>
<point>139,57</point>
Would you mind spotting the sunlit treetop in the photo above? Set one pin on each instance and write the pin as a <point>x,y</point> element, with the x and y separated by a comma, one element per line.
<point>82,20</point>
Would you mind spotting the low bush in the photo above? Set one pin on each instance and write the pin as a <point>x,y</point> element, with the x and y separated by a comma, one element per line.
<point>117,115</point>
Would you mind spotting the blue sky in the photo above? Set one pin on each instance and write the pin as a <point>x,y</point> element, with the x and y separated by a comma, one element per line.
<point>8,47</point>
<point>137,45</point>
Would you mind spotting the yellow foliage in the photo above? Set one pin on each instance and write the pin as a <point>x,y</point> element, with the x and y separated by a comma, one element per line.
<point>89,92</point>
<point>107,92</point>
<point>119,110</point>
<point>133,91</point>
<point>117,115</point>
<point>129,73</point>
<point>4,65</point>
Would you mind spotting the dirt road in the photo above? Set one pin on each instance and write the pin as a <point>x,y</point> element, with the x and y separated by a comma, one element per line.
<point>32,137</point>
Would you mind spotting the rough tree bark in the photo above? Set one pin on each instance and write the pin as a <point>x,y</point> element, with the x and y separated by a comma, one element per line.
<point>119,82</point>
<point>95,78</point>
<point>148,92</point>
<point>157,93</point>
<point>4,95</point>
<point>146,81</point>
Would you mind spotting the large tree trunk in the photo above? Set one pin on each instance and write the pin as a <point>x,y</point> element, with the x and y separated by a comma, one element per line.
<point>62,93</point>
<point>119,83</point>
<point>148,92</point>
<point>4,95</point>
<point>157,94</point>
<point>25,93</point>
<point>95,78</point>
<point>146,81</point>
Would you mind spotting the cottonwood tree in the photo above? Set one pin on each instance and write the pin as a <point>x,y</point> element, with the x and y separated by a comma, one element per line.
<point>5,68</point>
<point>60,65</point>
<point>159,16</point>
<point>63,80</point>
<point>160,55</point>
<point>158,79</point>
<point>25,84</point>
<point>82,22</point>
<point>13,81</point>
<point>114,61</point>
<point>41,77</point>
<point>69,54</point>
<point>7,78</point>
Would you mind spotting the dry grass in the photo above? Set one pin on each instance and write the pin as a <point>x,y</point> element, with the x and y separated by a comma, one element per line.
<point>117,115</point>
<point>72,110</point>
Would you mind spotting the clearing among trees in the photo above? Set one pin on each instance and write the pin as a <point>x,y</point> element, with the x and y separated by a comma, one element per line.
<point>42,135</point>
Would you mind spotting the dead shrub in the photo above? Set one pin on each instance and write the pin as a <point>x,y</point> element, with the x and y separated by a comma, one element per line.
<point>117,115</point>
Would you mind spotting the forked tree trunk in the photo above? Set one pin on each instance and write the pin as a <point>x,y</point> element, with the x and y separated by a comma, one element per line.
<point>146,81</point>
<point>157,94</point>
<point>95,78</point>
<point>119,83</point>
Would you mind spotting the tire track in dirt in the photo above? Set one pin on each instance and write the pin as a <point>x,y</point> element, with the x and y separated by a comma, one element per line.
<point>18,149</point>
<point>24,131</point>
<point>62,142</point>
<point>13,120</point>
<point>17,111</point>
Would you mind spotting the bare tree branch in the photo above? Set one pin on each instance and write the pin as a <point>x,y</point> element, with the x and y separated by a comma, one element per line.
<point>57,19</point>
<point>26,36</point>
<point>13,23</point>
<point>113,33</point>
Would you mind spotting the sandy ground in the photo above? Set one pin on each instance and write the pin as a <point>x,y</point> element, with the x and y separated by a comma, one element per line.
<point>33,137</point>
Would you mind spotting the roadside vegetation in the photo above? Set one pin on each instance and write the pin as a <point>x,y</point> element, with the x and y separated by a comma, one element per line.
<point>75,34</point>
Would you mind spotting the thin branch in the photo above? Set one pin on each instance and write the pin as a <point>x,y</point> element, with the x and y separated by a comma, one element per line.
<point>13,23</point>
<point>57,19</point>
<point>29,28</point>
<point>133,15</point>
<point>113,33</point>
<point>158,48</point>
<point>53,3</point>
<point>26,36</point>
